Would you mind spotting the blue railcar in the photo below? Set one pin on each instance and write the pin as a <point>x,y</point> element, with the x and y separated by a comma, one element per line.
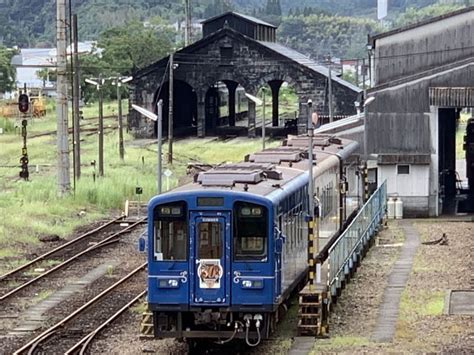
<point>226,251</point>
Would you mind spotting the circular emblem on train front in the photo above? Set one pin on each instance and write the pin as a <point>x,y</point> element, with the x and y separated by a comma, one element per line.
<point>210,273</point>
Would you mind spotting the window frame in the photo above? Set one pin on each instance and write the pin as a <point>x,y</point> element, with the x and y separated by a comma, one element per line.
<point>246,257</point>
<point>159,218</point>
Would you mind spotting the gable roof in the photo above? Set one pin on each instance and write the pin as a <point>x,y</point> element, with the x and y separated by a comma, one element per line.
<point>244,17</point>
<point>307,62</point>
<point>290,54</point>
<point>372,39</point>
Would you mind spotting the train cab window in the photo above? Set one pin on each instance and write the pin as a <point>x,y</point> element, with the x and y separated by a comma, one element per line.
<point>170,232</point>
<point>250,232</point>
<point>209,240</point>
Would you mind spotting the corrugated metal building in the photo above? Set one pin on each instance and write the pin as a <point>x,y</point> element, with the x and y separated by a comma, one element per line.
<point>423,76</point>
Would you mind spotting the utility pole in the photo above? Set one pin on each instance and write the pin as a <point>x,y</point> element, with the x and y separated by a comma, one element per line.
<point>101,129</point>
<point>363,75</point>
<point>64,180</point>
<point>331,113</point>
<point>170,112</point>
<point>76,92</point>
<point>188,28</point>
<point>119,80</point>
<point>263,120</point>
<point>160,137</point>
<point>357,73</point>
<point>120,120</point>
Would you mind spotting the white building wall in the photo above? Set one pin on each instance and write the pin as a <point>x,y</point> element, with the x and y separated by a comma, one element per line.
<point>413,188</point>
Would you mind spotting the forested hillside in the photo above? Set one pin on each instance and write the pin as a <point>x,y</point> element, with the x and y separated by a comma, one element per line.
<point>31,23</point>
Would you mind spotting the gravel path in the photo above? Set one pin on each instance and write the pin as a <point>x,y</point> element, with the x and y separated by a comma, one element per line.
<point>421,326</point>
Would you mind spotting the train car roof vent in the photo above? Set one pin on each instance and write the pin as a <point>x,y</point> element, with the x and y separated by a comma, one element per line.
<point>319,140</point>
<point>245,173</point>
<point>276,156</point>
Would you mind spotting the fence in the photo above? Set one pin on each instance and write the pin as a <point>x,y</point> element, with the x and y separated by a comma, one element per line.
<point>345,252</point>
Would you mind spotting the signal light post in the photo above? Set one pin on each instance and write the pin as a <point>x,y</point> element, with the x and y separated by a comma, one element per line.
<point>24,107</point>
<point>24,173</point>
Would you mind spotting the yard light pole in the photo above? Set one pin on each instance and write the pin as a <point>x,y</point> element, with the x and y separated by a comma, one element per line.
<point>311,246</point>
<point>159,119</point>
<point>257,102</point>
<point>160,137</point>
<point>99,82</point>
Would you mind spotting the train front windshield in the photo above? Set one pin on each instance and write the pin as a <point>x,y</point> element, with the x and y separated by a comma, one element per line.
<point>170,232</point>
<point>250,232</point>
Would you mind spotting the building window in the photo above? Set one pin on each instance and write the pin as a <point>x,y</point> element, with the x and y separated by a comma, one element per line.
<point>226,53</point>
<point>403,169</point>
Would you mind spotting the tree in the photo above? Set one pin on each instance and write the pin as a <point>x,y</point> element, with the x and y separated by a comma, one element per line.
<point>7,71</point>
<point>122,50</point>
<point>218,7</point>
<point>47,74</point>
<point>413,15</point>
<point>273,12</point>
<point>134,46</point>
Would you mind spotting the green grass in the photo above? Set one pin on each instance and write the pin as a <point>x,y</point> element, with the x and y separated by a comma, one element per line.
<point>140,308</point>
<point>420,304</point>
<point>338,342</point>
<point>8,125</point>
<point>29,209</point>
<point>42,295</point>
<point>460,133</point>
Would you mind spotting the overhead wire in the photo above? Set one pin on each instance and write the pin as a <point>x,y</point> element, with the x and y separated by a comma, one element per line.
<point>205,59</point>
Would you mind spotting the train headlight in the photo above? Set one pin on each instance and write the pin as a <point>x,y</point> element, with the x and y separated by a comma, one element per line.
<point>168,283</point>
<point>252,284</point>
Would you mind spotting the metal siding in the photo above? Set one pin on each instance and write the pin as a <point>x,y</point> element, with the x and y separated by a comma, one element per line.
<point>397,121</point>
<point>425,47</point>
<point>398,133</point>
<point>452,97</point>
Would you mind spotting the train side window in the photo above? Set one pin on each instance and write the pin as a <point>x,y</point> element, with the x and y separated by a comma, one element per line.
<point>170,232</point>
<point>250,232</point>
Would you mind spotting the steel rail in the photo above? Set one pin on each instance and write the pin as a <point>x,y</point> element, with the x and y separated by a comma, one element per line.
<point>68,261</point>
<point>32,344</point>
<point>84,342</point>
<point>63,246</point>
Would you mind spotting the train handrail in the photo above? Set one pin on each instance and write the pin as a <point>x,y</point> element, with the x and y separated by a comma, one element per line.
<point>356,234</point>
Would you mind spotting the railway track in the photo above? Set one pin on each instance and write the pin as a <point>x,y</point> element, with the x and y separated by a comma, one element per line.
<point>58,258</point>
<point>87,122</point>
<point>74,333</point>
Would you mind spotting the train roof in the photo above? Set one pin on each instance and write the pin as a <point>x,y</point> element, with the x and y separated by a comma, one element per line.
<point>264,172</point>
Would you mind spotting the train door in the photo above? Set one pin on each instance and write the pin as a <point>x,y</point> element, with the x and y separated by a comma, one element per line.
<point>210,259</point>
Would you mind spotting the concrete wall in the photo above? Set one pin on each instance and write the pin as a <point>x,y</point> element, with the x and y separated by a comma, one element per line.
<point>424,47</point>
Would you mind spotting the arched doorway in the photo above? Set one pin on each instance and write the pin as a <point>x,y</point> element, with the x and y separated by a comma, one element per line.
<point>184,108</point>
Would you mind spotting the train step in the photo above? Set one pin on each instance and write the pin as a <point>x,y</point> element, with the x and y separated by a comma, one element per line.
<point>311,312</point>
<point>146,325</point>
<point>308,315</point>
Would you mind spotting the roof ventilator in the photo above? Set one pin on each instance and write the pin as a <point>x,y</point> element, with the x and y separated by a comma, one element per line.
<point>245,173</point>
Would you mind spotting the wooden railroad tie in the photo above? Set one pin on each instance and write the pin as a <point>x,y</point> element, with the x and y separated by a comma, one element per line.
<point>312,312</point>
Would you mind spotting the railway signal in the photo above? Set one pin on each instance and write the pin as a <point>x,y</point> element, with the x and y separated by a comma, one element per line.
<point>23,103</point>
<point>24,173</point>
